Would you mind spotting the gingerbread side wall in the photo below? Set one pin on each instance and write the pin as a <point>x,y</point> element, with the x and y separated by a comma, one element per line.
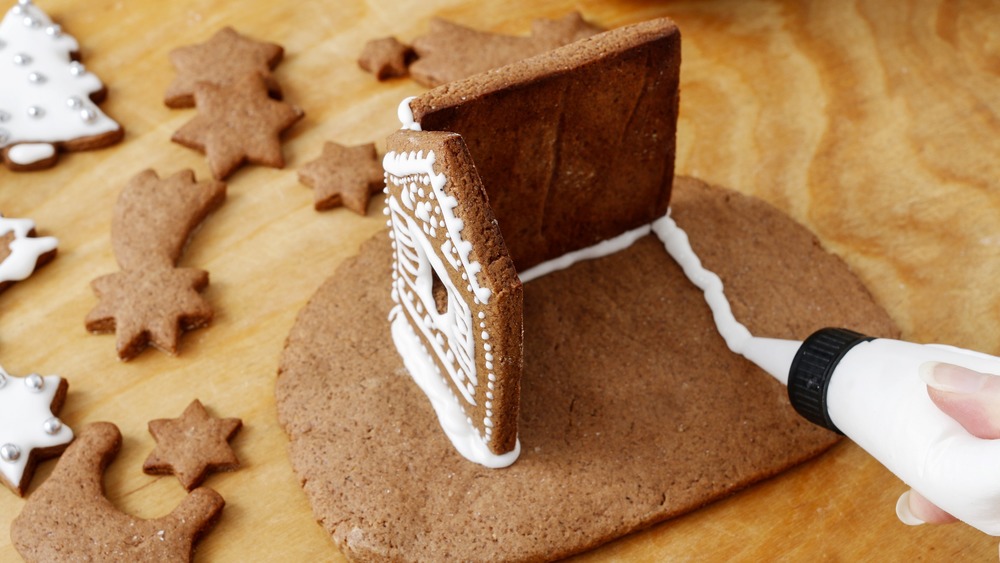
<point>573,146</point>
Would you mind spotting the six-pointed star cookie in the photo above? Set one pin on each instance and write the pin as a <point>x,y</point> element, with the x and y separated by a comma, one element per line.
<point>192,445</point>
<point>345,176</point>
<point>386,58</point>
<point>149,306</point>
<point>225,58</point>
<point>236,123</point>
<point>29,429</point>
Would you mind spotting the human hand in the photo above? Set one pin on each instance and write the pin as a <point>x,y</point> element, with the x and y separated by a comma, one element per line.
<point>973,400</point>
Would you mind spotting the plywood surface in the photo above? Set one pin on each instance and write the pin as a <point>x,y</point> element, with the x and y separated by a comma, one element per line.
<point>875,124</point>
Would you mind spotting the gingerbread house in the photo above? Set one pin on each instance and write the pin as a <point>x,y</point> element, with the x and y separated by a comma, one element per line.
<point>504,172</point>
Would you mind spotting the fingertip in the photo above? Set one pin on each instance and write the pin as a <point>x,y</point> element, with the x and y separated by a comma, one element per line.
<point>904,512</point>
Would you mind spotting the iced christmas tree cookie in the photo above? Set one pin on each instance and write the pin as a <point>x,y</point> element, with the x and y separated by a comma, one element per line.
<point>29,429</point>
<point>48,101</point>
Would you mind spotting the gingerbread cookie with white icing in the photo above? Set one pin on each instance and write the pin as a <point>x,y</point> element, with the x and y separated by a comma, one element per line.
<point>457,319</point>
<point>48,102</point>
<point>21,252</point>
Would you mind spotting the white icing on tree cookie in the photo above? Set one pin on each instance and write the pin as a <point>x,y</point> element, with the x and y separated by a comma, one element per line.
<point>44,94</point>
<point>27,422</point>
<point>24,250</point>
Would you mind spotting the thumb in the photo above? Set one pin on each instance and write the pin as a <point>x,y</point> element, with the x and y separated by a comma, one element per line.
<point>970,397</point>
<point>913,509</point>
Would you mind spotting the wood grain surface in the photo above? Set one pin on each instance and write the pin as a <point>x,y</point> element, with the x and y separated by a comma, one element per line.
<point>876,124</point>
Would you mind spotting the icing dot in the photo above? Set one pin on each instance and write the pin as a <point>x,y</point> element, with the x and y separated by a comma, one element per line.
<point>491,376</point>
<point>9,452</point>
<point>489,404</point>
<point>489,394</point>
<point>489,365</point>
<point>21,59</point>
<point>489,357</point>
<point>487,347</point>
<point>34,382</point>
<point>489,384</point>
<point>52,425</point>
<point>485,335</point>
<point>74,102</point>
<point>36,77</point>
<point>481,315</point>
<point>88,115</point>
<point>35,111</point>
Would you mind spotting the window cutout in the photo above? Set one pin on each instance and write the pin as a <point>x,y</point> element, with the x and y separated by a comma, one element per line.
<point>439,292</point>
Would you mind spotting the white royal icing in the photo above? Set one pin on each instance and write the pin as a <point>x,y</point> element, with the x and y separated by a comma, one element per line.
<point>24,250</point>
<point>27,422</point>
<point>30,153</point>
<point>45,95</point>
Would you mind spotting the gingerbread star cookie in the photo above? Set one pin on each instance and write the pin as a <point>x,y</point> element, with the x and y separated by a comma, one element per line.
<point>224,59</point>
<point>345,176</point>
<point>192,445</point>
<point>151,301</point>
<point>386,58</point>
<point>68,518</point>
<point>29,429</point>
<point>237,123</point>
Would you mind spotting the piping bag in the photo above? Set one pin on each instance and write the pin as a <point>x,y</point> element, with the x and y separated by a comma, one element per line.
<point>870,390</point>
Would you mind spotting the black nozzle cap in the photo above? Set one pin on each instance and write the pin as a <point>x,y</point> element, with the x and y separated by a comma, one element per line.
<point>812,368</point>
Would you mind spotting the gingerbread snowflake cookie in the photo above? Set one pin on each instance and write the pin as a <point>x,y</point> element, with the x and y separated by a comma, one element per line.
<point>48,100</point>
<point>21,252</point>
<point>192,445</point>
<point>151,301</point>
<point>68,518</point>
<point>29,428</point>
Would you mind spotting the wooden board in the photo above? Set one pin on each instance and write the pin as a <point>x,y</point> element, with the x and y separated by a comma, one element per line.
<point>875,124</point>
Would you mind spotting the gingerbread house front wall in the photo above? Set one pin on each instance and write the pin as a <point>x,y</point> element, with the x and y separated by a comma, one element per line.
<point>575,146</point>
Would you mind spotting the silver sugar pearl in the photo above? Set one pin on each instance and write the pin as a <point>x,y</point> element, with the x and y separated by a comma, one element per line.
<point>88,115</point>
<point>52,426</point>
<point>53,30</point>
<point>76,68</point>
<point>36,77</point>
<point>10,452</point>
<point>21,59</point>
<point>17,10</point>
<point>74,102</point>
<point>34,382</point>
<point>24,2</point>
<point>31,22</point>
<point>35,111</point>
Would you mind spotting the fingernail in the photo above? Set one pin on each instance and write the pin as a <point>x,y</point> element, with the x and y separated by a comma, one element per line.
<point>951,378</point>
<point>903,511</point>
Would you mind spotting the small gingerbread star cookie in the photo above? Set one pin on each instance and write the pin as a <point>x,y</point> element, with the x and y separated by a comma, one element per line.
<point>29,429</point>
<point>224,59</point>
<point>192,446</point>
<point>345,176</point>
<point>386,58</point>
<point>237,123</point>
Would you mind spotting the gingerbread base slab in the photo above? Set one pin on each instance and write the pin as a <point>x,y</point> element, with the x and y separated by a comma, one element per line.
<point>632,409</point>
